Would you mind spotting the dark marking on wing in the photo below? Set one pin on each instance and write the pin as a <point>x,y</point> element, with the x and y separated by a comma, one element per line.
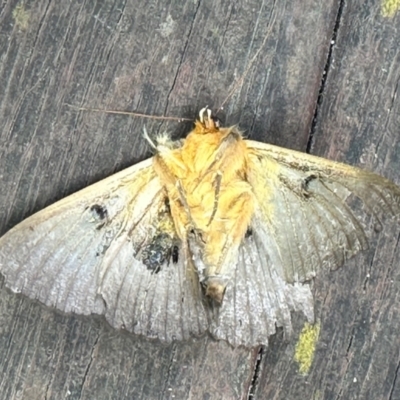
<point>167,206</point>
<point>175,254</point>
<point>249,232</point>
<point>306,185</point>
<point>100,214</point>
<point>158,252</point>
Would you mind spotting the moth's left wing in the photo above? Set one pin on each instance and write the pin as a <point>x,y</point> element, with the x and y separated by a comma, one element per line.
<point>83,254</point>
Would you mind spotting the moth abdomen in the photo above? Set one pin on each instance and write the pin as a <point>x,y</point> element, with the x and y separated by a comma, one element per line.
<point>214,288</point>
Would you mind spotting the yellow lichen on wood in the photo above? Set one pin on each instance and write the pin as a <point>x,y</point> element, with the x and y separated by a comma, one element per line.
<point>389,7</point>
<point>305,347</point>
<point>21,17</point>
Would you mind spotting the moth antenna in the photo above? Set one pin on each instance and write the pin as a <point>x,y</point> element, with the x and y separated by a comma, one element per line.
<point>147,137</point>
<point>180,119</point>
<point>131,113</point>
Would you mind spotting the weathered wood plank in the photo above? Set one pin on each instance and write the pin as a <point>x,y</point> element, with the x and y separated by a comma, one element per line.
<point>173,58</point>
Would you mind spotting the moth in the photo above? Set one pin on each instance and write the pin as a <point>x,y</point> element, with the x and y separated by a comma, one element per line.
<point>214,233</point>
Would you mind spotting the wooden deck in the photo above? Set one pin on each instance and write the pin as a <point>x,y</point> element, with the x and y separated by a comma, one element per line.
<point>325,80</point>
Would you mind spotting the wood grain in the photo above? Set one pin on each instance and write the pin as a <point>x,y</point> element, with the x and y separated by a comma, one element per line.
<point>172,58</point>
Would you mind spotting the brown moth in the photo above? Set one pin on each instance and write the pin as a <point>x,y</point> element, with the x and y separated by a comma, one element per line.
<point>214,233</point>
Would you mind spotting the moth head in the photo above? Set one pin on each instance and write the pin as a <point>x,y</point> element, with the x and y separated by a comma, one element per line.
<point>207,121</point>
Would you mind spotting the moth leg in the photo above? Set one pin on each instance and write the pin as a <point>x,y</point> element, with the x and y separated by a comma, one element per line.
<point>217,182</point>
<point>192,225</point>
<point>185,204</point>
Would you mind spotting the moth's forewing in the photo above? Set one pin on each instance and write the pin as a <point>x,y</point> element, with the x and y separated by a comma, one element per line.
<point>84,255</point>
<point>311,208</point>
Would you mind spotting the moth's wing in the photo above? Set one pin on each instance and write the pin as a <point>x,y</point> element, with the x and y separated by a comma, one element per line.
<point>257,300</point>
<point>308,216</point>
<point>313,213</point>
<point>82,255</point>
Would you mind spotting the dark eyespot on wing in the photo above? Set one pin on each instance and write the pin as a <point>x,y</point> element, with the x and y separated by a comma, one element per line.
<point>161,240</point>
<point>306,184</point>
<point>62,258</point>
<point>99,211</point>
<point>99,214</point>
<point>158,252</point>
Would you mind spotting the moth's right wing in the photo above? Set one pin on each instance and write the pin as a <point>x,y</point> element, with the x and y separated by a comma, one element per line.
<point>83,255</point>
<point>314,213</point>
<point>257,300</point>
<point>308,216</point>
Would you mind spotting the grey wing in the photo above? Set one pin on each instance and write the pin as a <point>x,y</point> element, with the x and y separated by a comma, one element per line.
<point>258,299</point>
<point>159,305</point>
<point>82,255</point>
<point>313,213</point>
<point>310,213</point>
